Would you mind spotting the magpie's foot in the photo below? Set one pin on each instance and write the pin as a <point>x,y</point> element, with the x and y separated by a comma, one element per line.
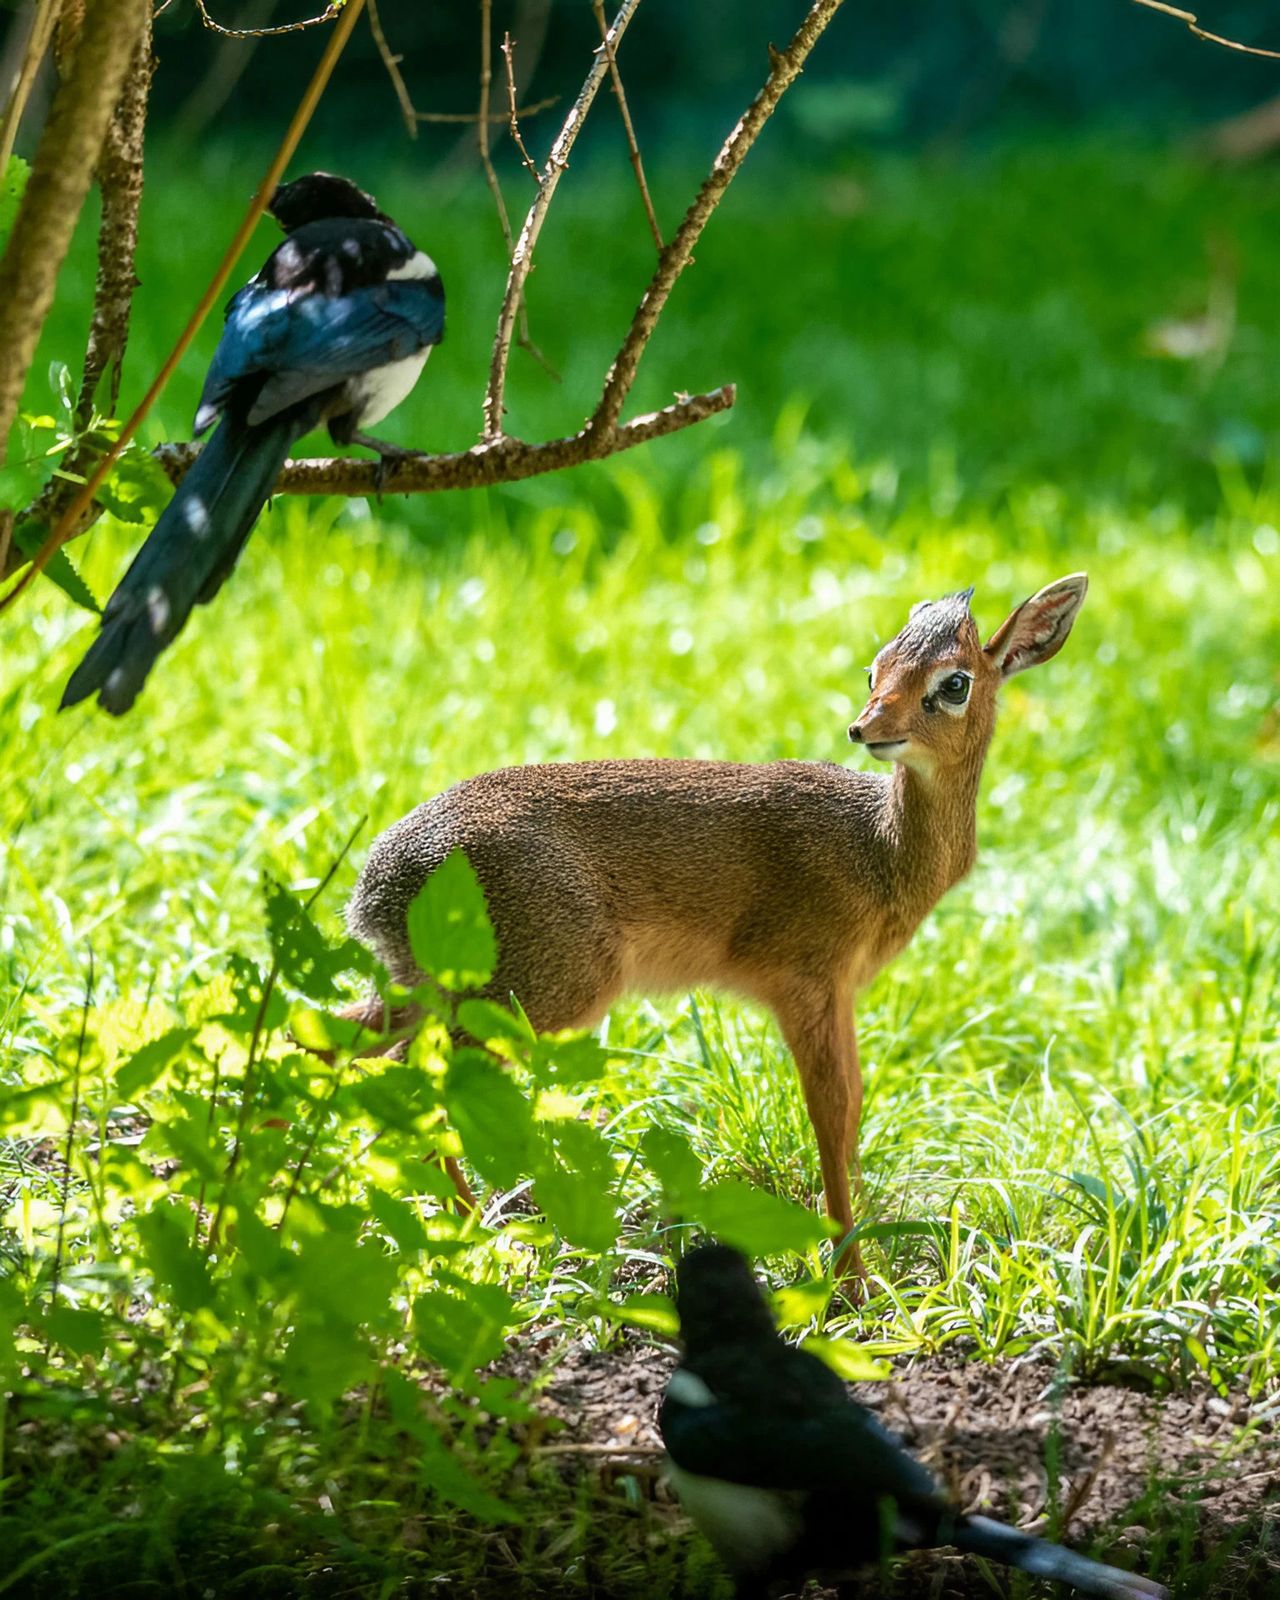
<point>388,455</point>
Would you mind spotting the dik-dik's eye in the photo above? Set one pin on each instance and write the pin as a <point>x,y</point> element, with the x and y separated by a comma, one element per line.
<point>954,690</point>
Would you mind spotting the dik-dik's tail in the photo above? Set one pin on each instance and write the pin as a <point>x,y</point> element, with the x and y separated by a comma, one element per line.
<point>992,1539</point>
<point>185,560</point>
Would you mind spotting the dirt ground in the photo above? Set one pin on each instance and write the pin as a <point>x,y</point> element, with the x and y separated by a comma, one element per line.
<point>1185,1488</point>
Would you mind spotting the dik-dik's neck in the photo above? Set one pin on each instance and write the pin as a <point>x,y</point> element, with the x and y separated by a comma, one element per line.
<point>931,824</point>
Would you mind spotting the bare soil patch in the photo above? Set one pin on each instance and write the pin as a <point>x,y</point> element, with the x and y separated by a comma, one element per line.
<point>1184,1487</point>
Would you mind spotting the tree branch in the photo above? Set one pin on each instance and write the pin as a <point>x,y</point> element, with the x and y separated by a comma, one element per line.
<point>120,184</point>
<point>785,68</point>
<point>60,177</point>
<point>522,255</point>
<point>504,460</point>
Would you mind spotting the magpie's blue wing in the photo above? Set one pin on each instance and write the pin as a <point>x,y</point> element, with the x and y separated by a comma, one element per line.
<point>304,343</point>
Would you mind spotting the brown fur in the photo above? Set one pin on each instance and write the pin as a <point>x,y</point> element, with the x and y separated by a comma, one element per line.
<point>791,882</point>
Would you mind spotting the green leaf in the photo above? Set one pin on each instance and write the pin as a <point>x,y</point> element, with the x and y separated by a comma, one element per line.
<point>465,1327</point>
<point>673,1163</point>
<point>575,1059</point>
<point>440,1467</point>
<point>324,1360</point>
<point>12,184</point>
<point>176,1266</point>
<point>399,1220</point>
<point>145,1065</point>
<point>397,1097</point>
<point>656,1313</point>
<point>306,960</point>
<point>449,928</point>
<point>137,488</point>
<point>29,536</point>
<point>80,1331</point>
<point>755,1222</point>
<point>487,1022</point>
<point>349,1282</point>
<point>846,1359</point>
<point>492,1117</point>
<point>574,1184</point>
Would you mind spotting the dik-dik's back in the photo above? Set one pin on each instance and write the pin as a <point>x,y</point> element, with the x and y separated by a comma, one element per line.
<point>607,875</point>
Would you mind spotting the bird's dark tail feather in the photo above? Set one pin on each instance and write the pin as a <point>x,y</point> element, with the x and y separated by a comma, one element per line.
<point>1037,1556</point>
<point>185,560</point>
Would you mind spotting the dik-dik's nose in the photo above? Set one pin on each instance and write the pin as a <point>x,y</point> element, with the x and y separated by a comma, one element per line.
<point>856,735</point>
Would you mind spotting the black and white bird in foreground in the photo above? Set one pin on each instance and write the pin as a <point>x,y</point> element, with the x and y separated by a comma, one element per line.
<point>335,329</point>
<point>787,1476</point>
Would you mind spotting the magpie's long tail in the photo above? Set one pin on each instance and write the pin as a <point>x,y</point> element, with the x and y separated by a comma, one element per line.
<point>992,1539</point>
<point>185,560</point>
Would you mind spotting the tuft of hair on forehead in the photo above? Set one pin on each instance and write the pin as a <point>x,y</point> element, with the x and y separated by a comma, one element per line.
<point>935,626</point>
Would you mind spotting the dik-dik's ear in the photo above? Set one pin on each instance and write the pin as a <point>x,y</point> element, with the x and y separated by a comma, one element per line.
<point>1038,629</point>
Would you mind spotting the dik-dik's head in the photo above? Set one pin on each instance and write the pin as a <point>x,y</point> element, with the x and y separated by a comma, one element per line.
<point>933,688</point>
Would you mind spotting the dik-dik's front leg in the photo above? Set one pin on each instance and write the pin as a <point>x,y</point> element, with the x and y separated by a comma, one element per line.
<point>818,1026</point>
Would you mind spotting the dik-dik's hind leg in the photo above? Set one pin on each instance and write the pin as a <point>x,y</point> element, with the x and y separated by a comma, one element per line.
<point>818,1027</point>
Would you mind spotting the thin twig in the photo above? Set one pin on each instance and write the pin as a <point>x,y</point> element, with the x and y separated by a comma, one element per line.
<point>71,520</point>
<point>327,15</point>
<point>522,255</point>
<point>785,67</point>
<point>483,120</point>
<point>392,64</point>
<point>513,111</point>
<point>1189,17</point>
<point>495,117</point>
<point>637,164</point>
<point>71,1134</point>
<point>43,20</point>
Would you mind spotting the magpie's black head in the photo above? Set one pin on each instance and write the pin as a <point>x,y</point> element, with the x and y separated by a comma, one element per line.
<point>317,196</point>
<point>719,1300</point>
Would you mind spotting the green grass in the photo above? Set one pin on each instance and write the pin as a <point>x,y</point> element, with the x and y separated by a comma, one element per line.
<point>1072,1139</point>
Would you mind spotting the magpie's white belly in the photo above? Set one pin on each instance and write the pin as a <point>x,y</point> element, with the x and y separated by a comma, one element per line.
<point>379,391</point>
<point>749,1527</point>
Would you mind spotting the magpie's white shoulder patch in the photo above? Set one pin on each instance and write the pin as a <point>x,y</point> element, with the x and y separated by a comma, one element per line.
<point>749,1527</point>
<point>418,266</point>
<point>687,1389</point>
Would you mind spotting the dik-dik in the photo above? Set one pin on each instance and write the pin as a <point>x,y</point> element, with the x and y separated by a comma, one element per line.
<point>792,882</point>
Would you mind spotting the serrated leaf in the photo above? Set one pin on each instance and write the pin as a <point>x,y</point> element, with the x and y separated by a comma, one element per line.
<point>574,1059</point>
<point>306,960</point>
<point>145,1065</point>
<point>77,1329</point>
<point>672,1161</point>
<point>449,928</point>
<point>755,1222</point>
<point>399,1220</point>
<point>137,488</point>
<point>176,1266</point>
<point>846,1359</point>
<point>654,1312</point>
<point>60,570</point>
<point>487,1022</point>
<point>492,1117</point>
<point>464,1327</point>
<point>440,1467</point>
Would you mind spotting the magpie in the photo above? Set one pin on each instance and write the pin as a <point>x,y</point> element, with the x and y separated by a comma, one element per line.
<point>787,1476</point>
<point>334,329</point>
